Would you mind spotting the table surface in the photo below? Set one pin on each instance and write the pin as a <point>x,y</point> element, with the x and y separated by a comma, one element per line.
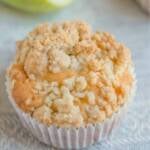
<point>128,23</point>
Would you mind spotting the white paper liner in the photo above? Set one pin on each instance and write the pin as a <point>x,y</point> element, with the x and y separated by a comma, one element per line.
<point>69,138</point>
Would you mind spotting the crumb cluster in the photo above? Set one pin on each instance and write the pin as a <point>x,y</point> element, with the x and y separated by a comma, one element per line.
<point>67,75</point>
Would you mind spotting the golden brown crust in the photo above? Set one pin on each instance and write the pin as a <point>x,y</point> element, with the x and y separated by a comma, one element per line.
<point>67,75</point>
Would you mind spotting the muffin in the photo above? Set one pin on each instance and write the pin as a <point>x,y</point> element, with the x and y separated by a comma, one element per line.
<point>70,85</point>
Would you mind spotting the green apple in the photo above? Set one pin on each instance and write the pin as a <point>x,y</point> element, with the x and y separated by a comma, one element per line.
<point>38,5</point>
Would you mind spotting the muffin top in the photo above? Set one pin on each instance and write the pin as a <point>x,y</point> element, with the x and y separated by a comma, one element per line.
<point>67,75</point>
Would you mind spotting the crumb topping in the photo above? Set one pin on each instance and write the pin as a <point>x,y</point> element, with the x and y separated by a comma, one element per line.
<point>67,75</point>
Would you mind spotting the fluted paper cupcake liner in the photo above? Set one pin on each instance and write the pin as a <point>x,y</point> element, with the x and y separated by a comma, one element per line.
<point>68,138</point>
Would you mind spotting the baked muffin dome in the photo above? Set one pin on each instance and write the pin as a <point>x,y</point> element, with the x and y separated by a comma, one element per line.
<point>66,74</point>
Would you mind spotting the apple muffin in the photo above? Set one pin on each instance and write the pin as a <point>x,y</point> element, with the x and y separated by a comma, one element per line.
<point>67,75</point>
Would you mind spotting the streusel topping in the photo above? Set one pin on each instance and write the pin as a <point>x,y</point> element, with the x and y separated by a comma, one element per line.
<point>67,75</point>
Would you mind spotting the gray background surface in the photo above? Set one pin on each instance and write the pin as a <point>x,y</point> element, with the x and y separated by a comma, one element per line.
<point>128,23</point>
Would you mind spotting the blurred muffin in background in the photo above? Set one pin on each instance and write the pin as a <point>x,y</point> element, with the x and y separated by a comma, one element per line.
<point>145,4</point>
